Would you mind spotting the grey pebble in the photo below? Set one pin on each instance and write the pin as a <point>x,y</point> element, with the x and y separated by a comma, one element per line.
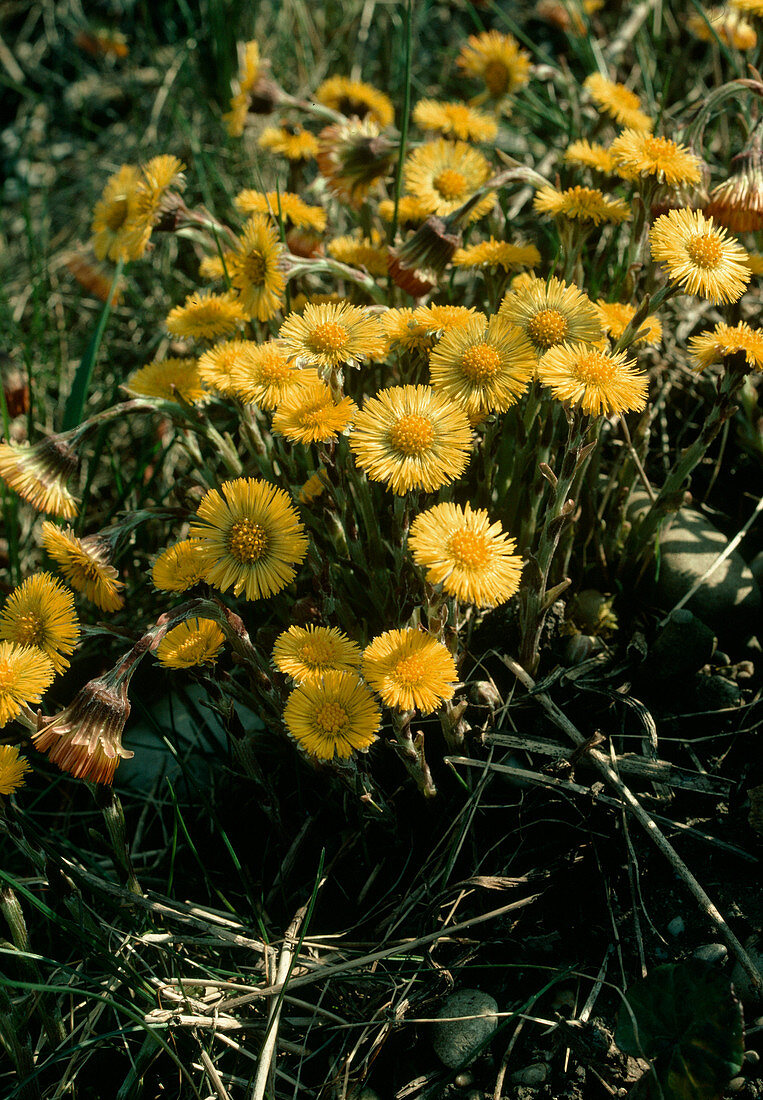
<point>742,982</point>
<point>736,1084</point>
<point>677,926</point>
<point>531,1075</point>
<point>457,1041</point>
<point>712,953</point>
<point>751,1057</point>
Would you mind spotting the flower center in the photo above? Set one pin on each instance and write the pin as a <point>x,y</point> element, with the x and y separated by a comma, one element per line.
<point>314,415</point>
<point>470,549</point>
<point>705,250</point>
<point>496,77</point>
<point>450,183</point>
<point>193,649</point>
<point>409,670</point>
<point>412,435</point>
<point>656,147</point>
<point>275,369</point>
<point>255,268</point>
<point>29,630</point>
<point>116,215</point>
<point>331,718</point>
<point>547,327</point>
<point>480,362</point>
<point>624,97</point>
<point>247,541</point>
<point>594,367</point>
<point>316,652</point>
<point>329,337</point>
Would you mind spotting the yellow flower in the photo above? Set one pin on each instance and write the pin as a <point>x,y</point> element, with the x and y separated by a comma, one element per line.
<point>211,267</point>
<point>249,73</point>
<point>750,7</point>
<point>206,316</point>
<point>291,142</point>
<point>617,101</point>
<point>329,336</point>
<point>410,670</point>
<point>403,332</point>
<point>266,374</point>
<point>355,99</point>
<point>444,174</point>
<point>436,320</point>
<point>493,253</point>
<point>13,768</point>
<point>314,487</point>
<point>40,613</point>
<point>112,226</point>
<point>153,196</point>
<point>616,316</point>
<point>219,365</point>
<point>588,154</point>
<point>497,60</point>
<point>179,567</point>
<point>85,739</point>
<point>282,206</point>
<point>410,210</point>
<point>359,251</point>
<point>309,414</point>
<point>25,673</point>
<point>255,269</point>
<point>193,642</point>
<point>723,340</point>
<point>336,716</point>
<point>699,257</point>
<point>352,157</point>
<point>86,564</point>
<point>598,381</point>
<point>167,379</point>
<point>470,557</point>
<point>251,538</point>
<point>454,120</point>
<point>551,313</point>
<point>411,437</point>
<point>637,153</point>
<point>483,369</point>
<point>724,24</point>
<point>737,203</point>
<point>39,474</point>
<point>307,654</point>
<point>582,203</point>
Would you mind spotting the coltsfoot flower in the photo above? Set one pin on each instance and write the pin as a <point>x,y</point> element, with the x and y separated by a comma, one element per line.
<point>308,653</point>
<point>86,564</point>
<point>191,643</point>
<point>355,99</point>
<point>550,313</point>
<point>724,340</point>
<point>454,120</point>
<point>616,316</point>
<point>40,613</point>
<point>444,174</point>
<point>25,673</point>
<point>586,204</point>
<point>39,474</point>
<point>13,768</point>
<point>497,60</point>
<point>309,414</point>
<point>410,670</point>
<point>600,382</point>
<point>617,101</point>
<point>168,379</point>
<point>179,567</point>
<point>333,717</point>
<point>639,153</point>
<point>205,316</point>
<point>700,257</point>
<point>483,368</point>
<point>330,336</point>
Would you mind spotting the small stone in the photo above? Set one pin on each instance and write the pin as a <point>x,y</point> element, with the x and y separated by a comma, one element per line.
<point>458,1040</point>
<point>736,1084</point>
<point>579,647</point>
<point>531,1075</point>
<point>712,953</point>
<point>463,1080</point>
<point>751,1057</point>
<point>483,693</point>
<point>682,647</point>
<point>677,926</point>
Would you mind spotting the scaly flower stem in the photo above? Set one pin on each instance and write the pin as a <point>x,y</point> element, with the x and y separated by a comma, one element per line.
<point>410,749</point>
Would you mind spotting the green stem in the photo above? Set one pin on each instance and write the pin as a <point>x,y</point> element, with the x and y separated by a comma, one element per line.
<point>75,403</point>
<point>408,25</point>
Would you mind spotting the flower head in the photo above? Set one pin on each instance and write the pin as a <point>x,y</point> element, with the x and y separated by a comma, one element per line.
<point>193,642</point>
<point>266,374</point>
<point>403,332</point>
<point>25,673</point>
<point>112,225</point>
<point>13,768</point>
<point>410,210</point>
<point>219,365</point>
<point>639,153</point>
<point>454,120</point>
<point>724,340</point>
<point>497,60</point>
<point>155,197</point>
<point>598,381</point>
<point>616,316</point>
<point>355,99</point>
<point>436,320</point>
<point>309,414</point>
<point>282,206</point>
<point>410,670</point>
<point>444,174</point>
<point>737,202</point>
<point>725,25</point>
<point>334,716</point>
<point>205,316</point>
<point>699,257</point>
<point>330,336</point>
<point>291,142</point>
<point>551,313</point>
<point>359,251</point>
<point>617,101</point>
<point>86,564</point>
<point>411,437</point>
<point>314,487</point>
<point>40,613</point>
<point>168,379</point>
<point>255,92</point>
<point>308,653</point>
<point>250,538</point>
<point>459,548</point>
<point>179,567</point>
<point>352,157</point>
<point>39,474</point>
<point>255,271</point>
<point>85,739</point>
<point>585,204</point>
<point>587,154</point>
<point>483,368</point>
<point>493,253</point>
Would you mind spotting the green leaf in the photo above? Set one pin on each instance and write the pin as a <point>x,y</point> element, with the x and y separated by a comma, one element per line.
<point>686,1021</point>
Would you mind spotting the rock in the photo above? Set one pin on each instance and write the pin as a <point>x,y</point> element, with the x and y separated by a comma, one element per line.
<point>677,927</point>
<point>457,1041</point>
<point>714,693</point>
<point>682,647</point>
<point>728,601</point>
<point>531,1075</point>
<point>716,953</point>
<point>736,1084</point>
<point>742,982</point>
<point>484,693</point>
